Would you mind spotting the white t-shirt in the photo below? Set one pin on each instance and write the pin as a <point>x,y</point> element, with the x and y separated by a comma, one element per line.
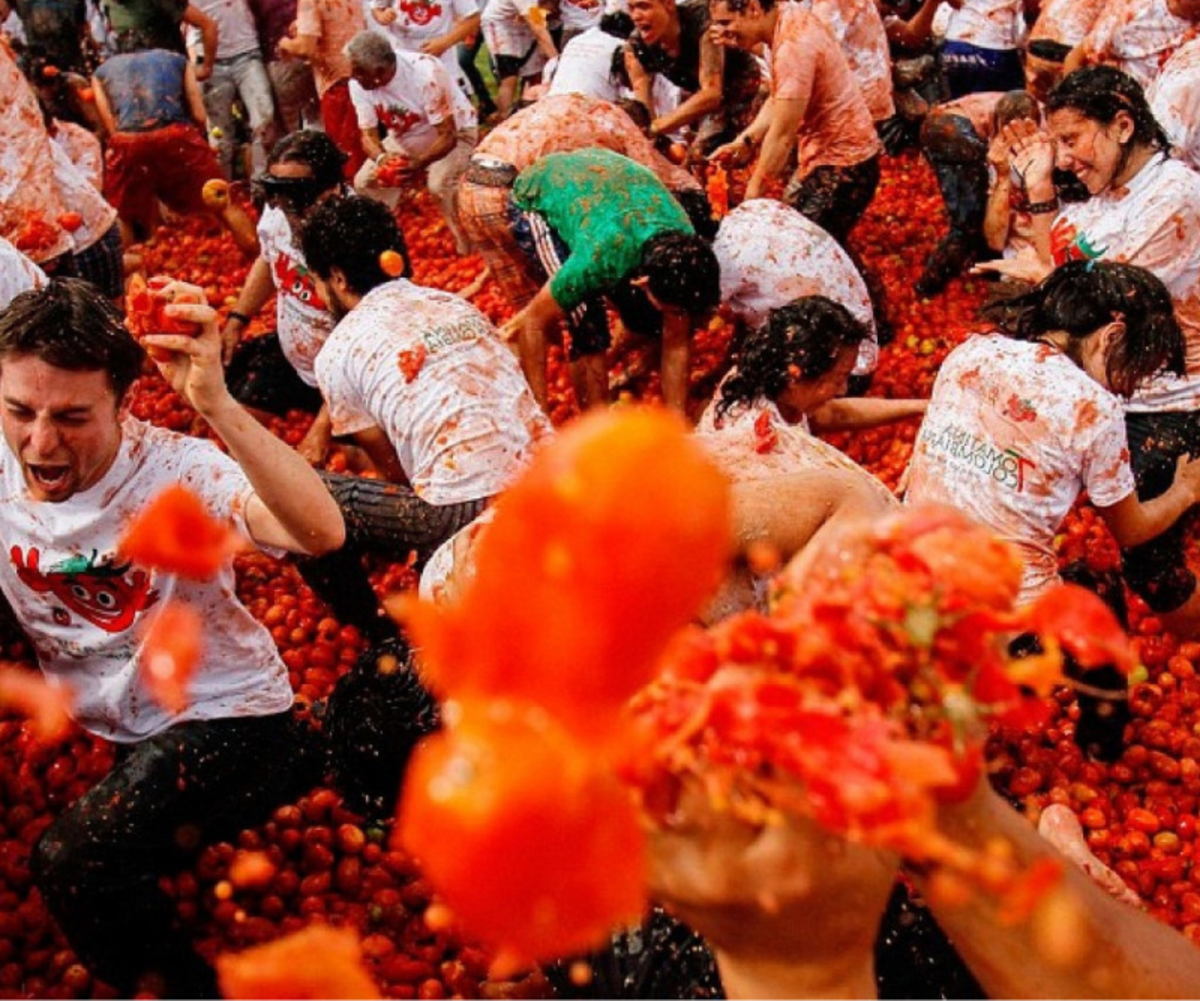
<point>859,30</point>
<point>1153,221</point>
<point>770,254</point>
<point>988,24</point>
<point>236,34</point>
<point>1175,100</point>
<point>754,442</point>
<point>17,273</point>
<point>507,32</point>
<point>418,98</point>
<point>427,368</point>
<point>301,318</point>
<point>1138,36</point>
<point>585,66</point>
<point>577,16</point>
<point>1014,431</point>
<point>418,21</point>
<point>77,191</point>
<point>1066,21</point>
<point>82,609</point>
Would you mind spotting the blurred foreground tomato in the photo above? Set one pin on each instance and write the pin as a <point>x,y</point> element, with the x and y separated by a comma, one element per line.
<point>171,647</point>
<point>535,847</point>
<point>317,962</point>
<point>608,543</point>
<point>175,533</point>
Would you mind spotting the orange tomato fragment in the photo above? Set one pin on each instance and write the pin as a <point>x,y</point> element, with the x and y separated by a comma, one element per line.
<point>70,221</point>
<point>609,543</point>
<point>316,962</point>
<point>251,870</point>
<point>215,193</point>
<point>392,263</point>
<point>31,695</point>
<point>175,533</point>
<point>171,647</point>
<point>534,847</point>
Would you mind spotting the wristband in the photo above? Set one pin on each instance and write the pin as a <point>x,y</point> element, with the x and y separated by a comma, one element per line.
<point>242,318</point>
<point>382,156</point>
<point>1042,208</point>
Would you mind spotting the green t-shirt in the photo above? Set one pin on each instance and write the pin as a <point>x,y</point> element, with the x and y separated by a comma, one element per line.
<point>605,207</point>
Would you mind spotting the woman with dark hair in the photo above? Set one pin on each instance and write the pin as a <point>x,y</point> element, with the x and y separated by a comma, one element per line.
<point>794,368</point>
<point>1143,209</point>
<point>1021,423</point>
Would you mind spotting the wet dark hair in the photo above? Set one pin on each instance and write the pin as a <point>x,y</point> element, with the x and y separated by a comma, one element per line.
<point>350,234</point>
<point>682,271</point>
<point>738,6</point>
<point>69,324</point>
<point>1100,93</point>
<point>699,211</point>
<point>617,23</point>
<point>638,113</point>
<point>800,341</point>
<point>1080,297</point>
<point>316,151</point>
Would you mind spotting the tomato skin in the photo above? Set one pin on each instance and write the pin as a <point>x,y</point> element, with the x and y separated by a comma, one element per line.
<point>533,847</point>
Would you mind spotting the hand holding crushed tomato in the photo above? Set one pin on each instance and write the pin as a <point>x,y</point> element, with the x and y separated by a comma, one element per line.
<point>190,363</point>
<point>777,900</point>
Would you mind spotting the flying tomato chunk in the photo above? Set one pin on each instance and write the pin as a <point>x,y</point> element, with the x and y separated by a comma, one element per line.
<point>175,533</point>
<point>171,646</point>
<point>532,842</point>
<point>316,962</point>
<point>30,694</point>
<point>610,542</point>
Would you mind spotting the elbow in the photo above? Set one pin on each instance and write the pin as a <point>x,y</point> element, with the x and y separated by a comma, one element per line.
<point>328,538</point>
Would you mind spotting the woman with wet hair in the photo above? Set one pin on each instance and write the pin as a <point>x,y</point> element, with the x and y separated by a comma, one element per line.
<point>795,367</point>
<point>1143,209</point>
<point>1021,422</point>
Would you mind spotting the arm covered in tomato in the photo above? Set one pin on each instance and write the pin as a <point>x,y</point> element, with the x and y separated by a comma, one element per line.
<point>1081,943</point>
<point>291,508</point>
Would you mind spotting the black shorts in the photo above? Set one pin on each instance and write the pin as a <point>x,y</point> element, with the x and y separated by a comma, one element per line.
<point>1157,570</point>
<point>835,197</point>
<point>260,376</point>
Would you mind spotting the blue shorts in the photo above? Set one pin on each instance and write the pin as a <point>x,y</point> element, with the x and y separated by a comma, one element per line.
<point>970,69</point>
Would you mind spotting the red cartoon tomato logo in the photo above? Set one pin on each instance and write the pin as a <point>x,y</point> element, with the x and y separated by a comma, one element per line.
<point>104,594</point>
<point>419,13</point>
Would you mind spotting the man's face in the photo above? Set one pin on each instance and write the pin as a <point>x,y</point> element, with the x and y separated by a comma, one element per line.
<point>334,301</point>
<point>62,426</point>
<point>732,28</point>
<point>373,79</point>
<point>652,18</point>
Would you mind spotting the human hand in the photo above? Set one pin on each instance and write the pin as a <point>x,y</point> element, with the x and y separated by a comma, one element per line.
<point>314,446</point>
<point>203,72</point>
<point>385,16</point>
<point>732,154</point>
<point>191,364</point>
<point>231,336</point>
<point>436,46</point>
<point>1023,269</point>
<point>784,893</point>
<point>1031,152</point>
<point>1187,472</point>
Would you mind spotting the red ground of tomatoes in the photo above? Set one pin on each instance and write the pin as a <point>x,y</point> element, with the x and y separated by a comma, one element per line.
<point>1142,813</point>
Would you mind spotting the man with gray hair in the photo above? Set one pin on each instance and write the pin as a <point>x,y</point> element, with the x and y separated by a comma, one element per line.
<point>429,124</point>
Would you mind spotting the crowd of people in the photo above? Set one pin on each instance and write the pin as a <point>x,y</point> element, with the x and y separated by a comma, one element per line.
<point>1065,139</point>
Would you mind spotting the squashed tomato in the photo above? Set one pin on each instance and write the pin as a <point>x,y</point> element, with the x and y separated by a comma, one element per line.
<point>175,533</point>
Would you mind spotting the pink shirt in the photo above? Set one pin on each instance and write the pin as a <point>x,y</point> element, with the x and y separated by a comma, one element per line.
<point>837,129</point>
<point>1066,21</point>
<point>858,29</point>
<point>333,23</point>
<point>30,202</point>
<point>1137,36</point>
<point>561,123</point>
